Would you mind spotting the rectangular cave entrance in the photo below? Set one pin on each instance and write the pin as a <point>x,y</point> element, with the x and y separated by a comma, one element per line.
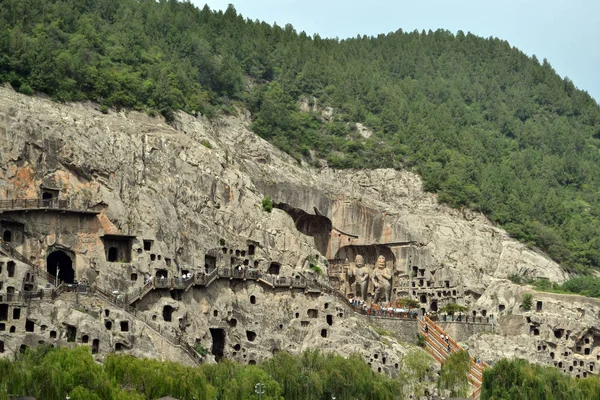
<point>118,247</point>
<point>3,312</point>
<point>218,343</point>
<point>210,263</point>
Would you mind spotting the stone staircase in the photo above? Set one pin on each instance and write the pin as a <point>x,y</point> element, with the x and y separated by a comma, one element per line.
<point>440,349</point>
<point>10,251</point>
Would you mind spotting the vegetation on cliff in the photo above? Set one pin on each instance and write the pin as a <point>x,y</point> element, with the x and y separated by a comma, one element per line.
<point>518,379</point>
<point>51,374</point>
<point>485,125</point>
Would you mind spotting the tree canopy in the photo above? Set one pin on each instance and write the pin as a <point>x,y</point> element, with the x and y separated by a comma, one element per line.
<point>485,125</point>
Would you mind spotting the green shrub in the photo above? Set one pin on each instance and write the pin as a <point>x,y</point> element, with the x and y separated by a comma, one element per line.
<point>26,89</point>
<point>104,109</point>
<point>526,301</point>
<point>420,340</point>
<point>267,204</point>
<point>316,269</point>
<point>206,144</point>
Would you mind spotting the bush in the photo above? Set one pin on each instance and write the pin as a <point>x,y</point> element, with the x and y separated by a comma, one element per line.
<point>206,144</point>
<point>420,340</point>
<point>453,308</point>
<point>26,89</point>
<point>267,204</point>
<point>316,269</point>
<point>526,301</point>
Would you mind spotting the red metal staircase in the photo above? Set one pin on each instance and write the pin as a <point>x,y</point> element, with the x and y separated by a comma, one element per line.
<point>440,349</point>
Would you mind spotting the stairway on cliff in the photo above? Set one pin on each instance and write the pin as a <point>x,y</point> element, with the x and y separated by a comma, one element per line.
<point>11,252</point>
<point>440,349</point>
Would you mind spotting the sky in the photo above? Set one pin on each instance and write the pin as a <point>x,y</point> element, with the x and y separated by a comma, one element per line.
<point>566,32</point>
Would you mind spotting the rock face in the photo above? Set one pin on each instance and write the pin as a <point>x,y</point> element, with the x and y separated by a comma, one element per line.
<point>145,200</point>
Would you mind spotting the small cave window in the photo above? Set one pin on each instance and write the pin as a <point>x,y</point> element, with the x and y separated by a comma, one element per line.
<point>538,306</point>
<point>12,329</point>
<point>252,299</point>
<point>167,313</point>
<point>1,346</point>
<point>251,249</point>
<point>324,333</point>
<point>447,283</point>
<point>326,306</point>
<point>274,268</point>
<point>3,312</point>
<point>297,315</point>
<point>52,334</point>
<point>243,253</point>
<point>95,346</point>
<point>16,313</point>
<point>483,313</point>
<point>134,277</point>
<point>587,351</point>
<point>85,339</point>
<point>29,326</point>
<point>423,299</point>
<point>119,346</point>
<point>252,362</point>
<point>558,333</point>
<point>71,333</point>
<point>2,326</point>
<point>330,320</point>
<point>312,313</point>
<point>106,312</point>
<point>147,245</point>
<point>124,326</point>
<point>23,349</point>
<point>108,324</point>
<point>112,254</point>
<point>237,347</point>
<point>434,306</point>
<point>501,307</point>
<point>152,257</point>
<point>168,261</point>
<point>7,236</point>
<point>251,336</point>
<point>10,267</point>
<point>233,322</point>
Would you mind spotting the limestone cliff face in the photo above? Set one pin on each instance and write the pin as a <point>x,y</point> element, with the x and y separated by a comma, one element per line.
<point>186,198</point>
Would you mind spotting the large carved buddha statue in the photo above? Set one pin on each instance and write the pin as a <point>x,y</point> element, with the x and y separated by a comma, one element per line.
<point>360,272</point>
<point>382,281</point>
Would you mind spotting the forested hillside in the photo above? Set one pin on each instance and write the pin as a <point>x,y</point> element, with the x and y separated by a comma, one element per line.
<point>486,126</point>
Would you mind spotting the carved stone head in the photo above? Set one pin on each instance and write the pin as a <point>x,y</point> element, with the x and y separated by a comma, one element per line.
<point>359,261</point>
<point>381,261</point>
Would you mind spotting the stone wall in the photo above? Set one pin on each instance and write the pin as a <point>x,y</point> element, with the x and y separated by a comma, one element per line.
<point>461,331</point>
<point>405,330</point>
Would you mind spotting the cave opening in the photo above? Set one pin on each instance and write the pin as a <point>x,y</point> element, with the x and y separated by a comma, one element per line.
<point>218,343</point>
<point>60,266</point>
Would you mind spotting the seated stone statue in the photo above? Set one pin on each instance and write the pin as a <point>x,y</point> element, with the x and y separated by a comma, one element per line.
<point>360,273</point>
<point>382,281</point>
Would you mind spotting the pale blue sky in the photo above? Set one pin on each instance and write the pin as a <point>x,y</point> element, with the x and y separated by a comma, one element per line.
<point>566,32</point>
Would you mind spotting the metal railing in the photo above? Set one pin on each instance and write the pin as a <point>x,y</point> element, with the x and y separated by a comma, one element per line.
<point>31,204</point>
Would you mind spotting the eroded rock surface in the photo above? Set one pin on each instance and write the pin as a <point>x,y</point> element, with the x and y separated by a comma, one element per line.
<point>146,200</point>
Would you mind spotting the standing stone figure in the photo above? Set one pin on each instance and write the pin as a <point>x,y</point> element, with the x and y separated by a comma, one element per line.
<point>360,272</point>
<point>382,281</point>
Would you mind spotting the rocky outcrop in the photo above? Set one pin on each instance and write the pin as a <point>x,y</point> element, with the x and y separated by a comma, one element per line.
<point>147,198</point>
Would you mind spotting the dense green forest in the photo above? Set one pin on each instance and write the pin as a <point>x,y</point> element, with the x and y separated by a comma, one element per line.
<point>51,374</point>
<point>518,379</point>
<point>486,126</point>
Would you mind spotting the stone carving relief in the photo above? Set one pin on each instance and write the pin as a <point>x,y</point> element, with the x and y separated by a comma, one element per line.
<point>382,281</point>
